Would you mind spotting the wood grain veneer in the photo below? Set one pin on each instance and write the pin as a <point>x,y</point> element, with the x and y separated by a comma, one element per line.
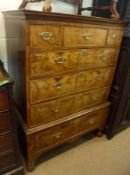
<point>63,67</point>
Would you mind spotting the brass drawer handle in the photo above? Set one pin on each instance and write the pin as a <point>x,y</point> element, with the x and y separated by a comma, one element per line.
<point>58,85</point>
<point>115,36</point>
<point>59,60</point>
<point>94,98</point>
<point>84,53</point>
<point>46,35</point>
<point>81,75</point>
<point>58,134</point>
<point>98,76</point>
<point>87,36</point>
<point>55,108</point>
<point>103,56</point>
<point>92,121</point>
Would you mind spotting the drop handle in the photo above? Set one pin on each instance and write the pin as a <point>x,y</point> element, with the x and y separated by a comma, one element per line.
<point>81,75</point>
<point>57,134</point>
<point>46,35</point>
<point>115,36</point>
<point>98,76</point>
<point>87,36</point>
<point>103,56</point>
<point>92,121</point>
<point>55,108</point>
<point>60,60</point>
<point>58,85</point>
<point>94,98</point>
<point>84,53</point>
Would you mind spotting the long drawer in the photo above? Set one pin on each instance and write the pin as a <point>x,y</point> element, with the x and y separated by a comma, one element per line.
<point>44,88</point>
<point>60,133</point>
<point>59,108</point>
<point>56,61</point>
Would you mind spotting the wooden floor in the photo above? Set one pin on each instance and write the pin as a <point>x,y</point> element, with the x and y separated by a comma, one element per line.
<point>95,156</point>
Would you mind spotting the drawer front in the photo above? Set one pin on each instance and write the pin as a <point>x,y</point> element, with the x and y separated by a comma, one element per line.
<point>5,122</point>
<point>52,62</point>
<point>45,88</point>
<point>6,143</point>
<point>84,36</point>
<point>44,36</point>
<point>114,37</point>
<point>55,109</point>
<point>4,103</point>
<point>60,133</point>
<point>7,161</point>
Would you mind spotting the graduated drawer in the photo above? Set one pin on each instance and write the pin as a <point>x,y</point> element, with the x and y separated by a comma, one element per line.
<point>44,36</point>
<point>45,88</point>
<point>5,123</point>
<point>7,161</point>
<point>55,61</point>
<point>55,109</point>
<point>114,37</point>
<point>61,133</point>
<point>6,143</point>
<point>4,102</point>
<point>84,36</point>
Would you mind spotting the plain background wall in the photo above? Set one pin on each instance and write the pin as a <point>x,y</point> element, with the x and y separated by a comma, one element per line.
<point>57,6</point>
<point>5,5</point>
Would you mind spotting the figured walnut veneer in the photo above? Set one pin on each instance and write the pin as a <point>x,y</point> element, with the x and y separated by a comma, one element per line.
<point>66,60</point>
<point>63,67</point>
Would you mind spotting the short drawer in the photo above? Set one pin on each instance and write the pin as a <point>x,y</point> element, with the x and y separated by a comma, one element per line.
<point>5,123</point>
<point>44,36</point>
<point>84,36</point>
<point>114,37</point>
<point>4,102</point>
<point>46,88</point>
<point>58,134</point>
<point>6,143</point>
<point>7,161</point>
<point>56,61</point>
<point>55,109</point>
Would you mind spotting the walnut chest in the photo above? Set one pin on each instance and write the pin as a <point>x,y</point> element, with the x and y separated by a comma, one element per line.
<point>9,156</point>
<point>63,67</point>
